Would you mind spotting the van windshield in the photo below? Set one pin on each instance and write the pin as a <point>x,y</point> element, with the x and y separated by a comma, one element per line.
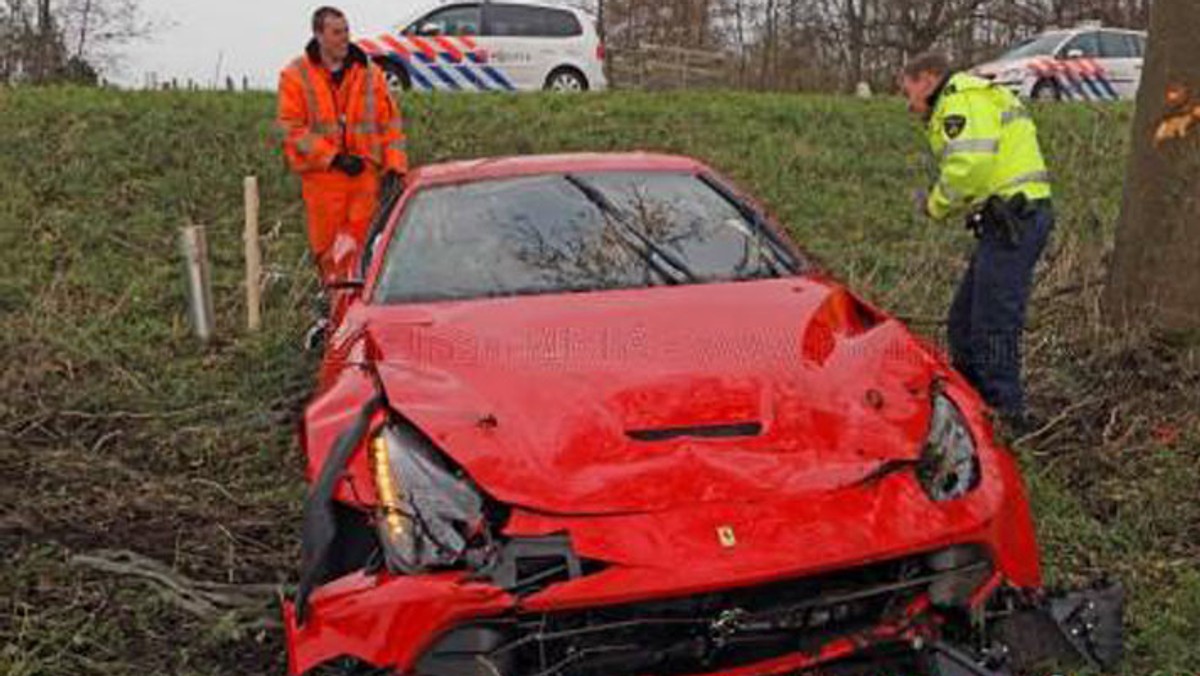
<point>1042,45</point>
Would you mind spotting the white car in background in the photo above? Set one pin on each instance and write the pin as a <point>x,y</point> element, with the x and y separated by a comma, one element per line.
<point>492,46</point>
<point>1089,62</point>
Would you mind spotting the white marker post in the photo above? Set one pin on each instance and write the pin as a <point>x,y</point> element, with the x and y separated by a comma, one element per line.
<point>193,244</point>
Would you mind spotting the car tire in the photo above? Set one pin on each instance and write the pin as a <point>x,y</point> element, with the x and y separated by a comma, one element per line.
<point>566,79</point>
<point>396,74</point>
<point>1046,90</point>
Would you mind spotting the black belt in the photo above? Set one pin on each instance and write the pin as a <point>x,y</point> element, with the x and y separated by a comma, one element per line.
<point>1004,216</point>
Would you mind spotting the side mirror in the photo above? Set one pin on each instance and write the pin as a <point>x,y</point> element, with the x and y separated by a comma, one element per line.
<point>429,29</point>
<point>1074,53</point>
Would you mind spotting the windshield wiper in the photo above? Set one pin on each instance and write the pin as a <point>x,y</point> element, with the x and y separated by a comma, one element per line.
<point>778,258</point>
<point>774,260</point>
<point>663,262</point>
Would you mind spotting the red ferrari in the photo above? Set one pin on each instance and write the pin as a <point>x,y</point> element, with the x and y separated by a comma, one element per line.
<point>597,415</point>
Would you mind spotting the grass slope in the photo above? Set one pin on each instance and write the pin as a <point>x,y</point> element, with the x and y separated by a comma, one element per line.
<point>117,431</point>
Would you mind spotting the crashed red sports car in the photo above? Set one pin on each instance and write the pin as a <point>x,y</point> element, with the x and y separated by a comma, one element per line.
<point>597,415</point>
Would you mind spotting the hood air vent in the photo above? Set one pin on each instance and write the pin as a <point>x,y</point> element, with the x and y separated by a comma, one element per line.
<point>721,431</point>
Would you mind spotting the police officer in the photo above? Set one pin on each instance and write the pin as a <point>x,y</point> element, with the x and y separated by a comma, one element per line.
<point>991,173</point>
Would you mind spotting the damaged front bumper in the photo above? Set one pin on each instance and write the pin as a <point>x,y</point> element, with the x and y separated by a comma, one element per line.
<point>947,613</point>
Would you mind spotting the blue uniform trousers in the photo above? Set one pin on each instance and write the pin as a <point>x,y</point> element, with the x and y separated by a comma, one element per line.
<point>987,316</point>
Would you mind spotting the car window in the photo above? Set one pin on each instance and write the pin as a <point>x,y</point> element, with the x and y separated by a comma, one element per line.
<point>550,234</point>
<point>1139,43</point>
<point>456,20</point>
<point>1117,46</point>
<point>525,21</point>
<point>1042,45</point>
<point>557,23</point>
<point>1087,45</point>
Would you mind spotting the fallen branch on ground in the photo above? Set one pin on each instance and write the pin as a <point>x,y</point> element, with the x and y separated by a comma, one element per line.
<point>206,600</point>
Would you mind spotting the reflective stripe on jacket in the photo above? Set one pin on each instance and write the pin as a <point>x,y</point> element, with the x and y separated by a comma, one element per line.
<point>319,119</point>
<point>986,144</point>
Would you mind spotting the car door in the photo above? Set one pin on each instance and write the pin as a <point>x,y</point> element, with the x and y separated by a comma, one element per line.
<point>441,48</point>
<point>1119,57</point>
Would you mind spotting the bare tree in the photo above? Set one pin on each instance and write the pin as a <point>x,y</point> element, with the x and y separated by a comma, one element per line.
<point>1155,277</point>
<point>65,40</point>
<point>834,44</point>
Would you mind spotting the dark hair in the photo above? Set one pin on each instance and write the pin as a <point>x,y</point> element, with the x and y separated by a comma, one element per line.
<point>319,17</point>
<point>927,62</point>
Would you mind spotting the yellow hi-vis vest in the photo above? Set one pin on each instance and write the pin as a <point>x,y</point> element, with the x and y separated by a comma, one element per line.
<point>986,144</point>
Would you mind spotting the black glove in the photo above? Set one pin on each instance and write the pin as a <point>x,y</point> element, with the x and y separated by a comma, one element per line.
<point>392,183</point>
<point>350,165</point>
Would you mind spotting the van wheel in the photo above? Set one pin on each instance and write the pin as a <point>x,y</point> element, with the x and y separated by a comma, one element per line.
<point>1046,90</point>
<point>566,79</point>
<point>396,74</point>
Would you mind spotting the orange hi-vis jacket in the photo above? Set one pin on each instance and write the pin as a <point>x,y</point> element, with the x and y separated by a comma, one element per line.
<point>319,119</point>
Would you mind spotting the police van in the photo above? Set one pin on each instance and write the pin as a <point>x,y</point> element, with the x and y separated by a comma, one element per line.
<point>492,46</point>
<point>1090,62</point>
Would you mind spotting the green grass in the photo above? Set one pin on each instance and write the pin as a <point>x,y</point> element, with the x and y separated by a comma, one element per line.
<point>117,430</point>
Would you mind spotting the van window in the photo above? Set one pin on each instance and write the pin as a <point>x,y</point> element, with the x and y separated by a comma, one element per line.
<point>1088,44</point>
<point>1117,46</point>
<point>1042,45</point>
<point>525,21</point>
<point>455,20</point>
<point>1139,43</point>
<point>560,24</point>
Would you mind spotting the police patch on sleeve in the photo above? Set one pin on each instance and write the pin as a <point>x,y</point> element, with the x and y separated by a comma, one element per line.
<point>954,125</point>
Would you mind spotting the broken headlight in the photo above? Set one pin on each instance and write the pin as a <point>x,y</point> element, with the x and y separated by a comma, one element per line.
<point>428,511</point>
<point>949,465</point>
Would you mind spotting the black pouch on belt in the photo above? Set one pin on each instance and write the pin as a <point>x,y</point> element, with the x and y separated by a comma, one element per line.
<point>1003,216</point>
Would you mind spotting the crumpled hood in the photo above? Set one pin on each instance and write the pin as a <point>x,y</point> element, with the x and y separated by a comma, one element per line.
<point>642,400</point>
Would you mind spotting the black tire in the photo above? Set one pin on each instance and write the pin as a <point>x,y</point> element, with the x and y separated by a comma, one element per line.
<point>1046,90</point>
<point>566,79</point>
<point>396,74</point>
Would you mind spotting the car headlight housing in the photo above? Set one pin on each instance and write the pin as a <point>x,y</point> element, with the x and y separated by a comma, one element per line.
<point>429,513</point>
<point>949,464</point>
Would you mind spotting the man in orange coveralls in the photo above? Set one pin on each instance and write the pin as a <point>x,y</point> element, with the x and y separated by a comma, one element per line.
<point>343,135</point>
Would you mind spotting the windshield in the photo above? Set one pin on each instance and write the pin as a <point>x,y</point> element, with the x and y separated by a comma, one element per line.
<point>1042,45</point>
<point>573,232</point>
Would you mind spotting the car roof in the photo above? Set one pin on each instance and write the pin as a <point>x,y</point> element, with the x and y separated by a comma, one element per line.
<point>1076,30</point>
<point>468,171</point>
<point>424,8</point>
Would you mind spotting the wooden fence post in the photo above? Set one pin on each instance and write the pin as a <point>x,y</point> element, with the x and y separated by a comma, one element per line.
<point>253,257</point>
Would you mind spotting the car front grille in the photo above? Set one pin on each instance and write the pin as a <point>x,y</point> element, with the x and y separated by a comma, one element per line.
<point>693,634</point>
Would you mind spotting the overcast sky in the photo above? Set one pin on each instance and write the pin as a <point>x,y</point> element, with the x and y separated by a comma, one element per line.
<point>254,38</point>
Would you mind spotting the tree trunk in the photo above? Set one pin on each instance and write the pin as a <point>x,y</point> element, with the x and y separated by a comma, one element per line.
<point>46,43</point>
<point>855,18</point>
<point>1155,276</point>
